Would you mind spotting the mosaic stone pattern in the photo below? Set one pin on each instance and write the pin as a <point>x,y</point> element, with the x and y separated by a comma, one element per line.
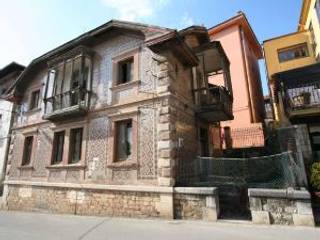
<point>147,142</point>
<point>97,148</point>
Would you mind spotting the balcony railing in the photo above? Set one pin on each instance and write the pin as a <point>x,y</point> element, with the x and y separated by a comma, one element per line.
<point>302,99</point>
<point>70,103</point>
<point>214,103</point>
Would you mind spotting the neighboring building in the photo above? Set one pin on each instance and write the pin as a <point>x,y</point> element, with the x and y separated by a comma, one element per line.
<point>310,20</point>
<point>293,68</point>
<point>8,75</point>
<point>107,120</point>
<point>244,51</point>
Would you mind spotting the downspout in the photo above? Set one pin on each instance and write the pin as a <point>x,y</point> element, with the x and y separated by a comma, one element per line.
<point>6,156</point>
<point>246,66</point>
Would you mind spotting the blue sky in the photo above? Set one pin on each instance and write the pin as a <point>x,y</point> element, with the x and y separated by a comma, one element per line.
<point>29,28</point>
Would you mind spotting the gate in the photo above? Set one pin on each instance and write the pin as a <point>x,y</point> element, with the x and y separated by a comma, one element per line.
<point>233,176</point>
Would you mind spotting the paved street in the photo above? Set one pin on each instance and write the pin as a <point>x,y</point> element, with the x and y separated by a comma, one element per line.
<point>18,225</point>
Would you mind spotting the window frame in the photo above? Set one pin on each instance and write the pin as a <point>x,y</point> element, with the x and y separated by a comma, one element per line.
<point>72,145</point>
<point>55,146</point>
<point>117,139</point>
<point>33,104</point>
<point>291,48</point>
<point>27,161</point>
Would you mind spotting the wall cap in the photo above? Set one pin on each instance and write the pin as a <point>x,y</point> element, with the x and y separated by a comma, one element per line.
<point>279,193</point>
<point>128,188</point>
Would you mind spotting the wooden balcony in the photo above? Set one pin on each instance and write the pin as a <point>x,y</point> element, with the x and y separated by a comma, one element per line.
<point>214,104</point>
<point>73,103</point>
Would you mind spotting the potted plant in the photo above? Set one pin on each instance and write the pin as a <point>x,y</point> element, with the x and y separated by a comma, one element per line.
<point>315,178</point>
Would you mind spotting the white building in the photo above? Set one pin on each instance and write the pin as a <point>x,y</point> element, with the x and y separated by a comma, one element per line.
<point>8,75</point>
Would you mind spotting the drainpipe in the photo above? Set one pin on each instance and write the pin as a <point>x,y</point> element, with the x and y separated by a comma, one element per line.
<point>6,156</point>
<point>245,63</point>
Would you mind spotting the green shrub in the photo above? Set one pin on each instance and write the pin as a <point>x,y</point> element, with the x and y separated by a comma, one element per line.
<point>315,175</point>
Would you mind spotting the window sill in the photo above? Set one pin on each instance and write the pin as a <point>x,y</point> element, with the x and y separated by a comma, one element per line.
<point>26,167</point>
<point>33,110</point>
<point>70,166</point>
<point>125,164</point>
<point>125,85</point>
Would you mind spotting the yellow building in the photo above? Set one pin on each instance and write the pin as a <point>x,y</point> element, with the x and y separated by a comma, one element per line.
<point>310,20</point>
<point>293,71</point>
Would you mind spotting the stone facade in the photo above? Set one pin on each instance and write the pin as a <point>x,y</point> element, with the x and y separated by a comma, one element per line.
<point>283,206</point>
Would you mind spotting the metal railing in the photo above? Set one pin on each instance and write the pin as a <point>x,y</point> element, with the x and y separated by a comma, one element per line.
<point>302,96</point>
<point>71,98</point>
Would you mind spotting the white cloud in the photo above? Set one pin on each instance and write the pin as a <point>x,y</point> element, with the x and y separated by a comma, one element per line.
<point>132,10</point>
<point>187,20</point>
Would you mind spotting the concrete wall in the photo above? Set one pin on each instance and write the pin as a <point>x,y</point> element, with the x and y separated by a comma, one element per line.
<point>283,206</point>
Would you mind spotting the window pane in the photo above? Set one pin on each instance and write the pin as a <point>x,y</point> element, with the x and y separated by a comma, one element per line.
<point>75,145</point>
<point>57,150</point>
<point>58,79</point>
<point>123,140</point>
<point>125,71</point>
<point>295,52</point>
<point>34,102</point>
<point>27,150</point>
<point>67,76</point>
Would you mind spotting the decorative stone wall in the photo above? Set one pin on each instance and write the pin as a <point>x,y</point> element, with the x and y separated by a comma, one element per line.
<point>281,206</point>
<point>113,200</point>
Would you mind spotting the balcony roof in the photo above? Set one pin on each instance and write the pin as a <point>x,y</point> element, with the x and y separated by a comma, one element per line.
<point>299,76</point>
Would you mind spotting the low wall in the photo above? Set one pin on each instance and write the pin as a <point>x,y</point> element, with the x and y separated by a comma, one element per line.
<point>112,200</point>
<point>281,206</point>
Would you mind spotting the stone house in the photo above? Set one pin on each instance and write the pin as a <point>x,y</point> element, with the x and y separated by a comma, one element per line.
<point>106,121</point>
<point>8,75</point>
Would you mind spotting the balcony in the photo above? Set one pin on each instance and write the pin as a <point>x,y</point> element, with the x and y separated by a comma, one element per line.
<point>300,92</point>
<point>214,103</point>
<point>302,100</point>
<point>72,103</point>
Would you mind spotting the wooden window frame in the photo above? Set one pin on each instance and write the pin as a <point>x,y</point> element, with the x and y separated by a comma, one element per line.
<point>116,140</point>
<point>282,50</point>
<point>54,147</point>
<point>25,163</point>
<point>72,137</point>
<point>33,105</point>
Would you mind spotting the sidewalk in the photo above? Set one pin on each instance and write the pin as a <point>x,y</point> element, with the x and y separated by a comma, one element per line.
<point>19,225</point>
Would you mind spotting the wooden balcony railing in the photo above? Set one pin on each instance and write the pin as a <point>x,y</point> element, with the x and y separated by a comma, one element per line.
<point>214,103</point>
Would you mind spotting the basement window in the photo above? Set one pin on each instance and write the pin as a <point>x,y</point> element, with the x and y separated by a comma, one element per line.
<point>125,69</point>
<point>123,140</point>
<point>75,145</point>
<point>294,52</point>
<point>57,150</point>
<point>27,151</point>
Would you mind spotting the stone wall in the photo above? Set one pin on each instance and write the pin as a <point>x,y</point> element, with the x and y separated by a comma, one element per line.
<point>281,206</point>
<point>113,200</point>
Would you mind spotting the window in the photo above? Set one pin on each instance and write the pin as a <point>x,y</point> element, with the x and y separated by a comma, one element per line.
<point>75,145</point>
<point>34,102</point>
<point>313,38</point>
<point>57,150</point>
<point>27,151</point>
<point>295,52</point>
<point>204,142</point>
<point>123,140</point>
<point>317,8</point>
<point>125,74</point>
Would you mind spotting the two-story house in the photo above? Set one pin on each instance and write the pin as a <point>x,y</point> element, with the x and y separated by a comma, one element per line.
<point>8,75</point>
<point>107,121</point>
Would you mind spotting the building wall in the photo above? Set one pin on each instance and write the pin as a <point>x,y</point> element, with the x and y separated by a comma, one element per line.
<point>273,64</point>
<point>272,46</point>
<point>160,104</point>
<point>312,18</point>
<point>248,107</point>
